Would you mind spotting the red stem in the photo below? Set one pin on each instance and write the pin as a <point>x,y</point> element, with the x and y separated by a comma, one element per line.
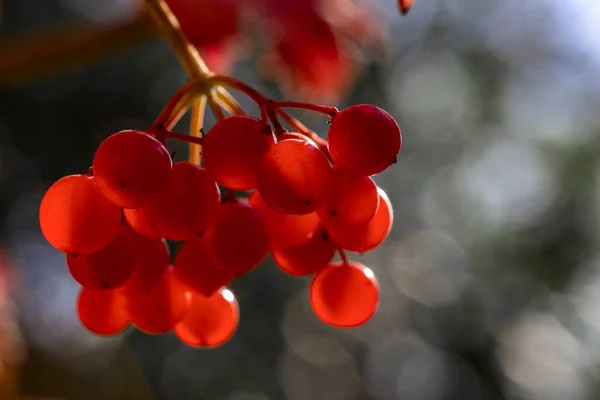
<point>303,130</point>
<point>233,83</point>
<point>163,133</point>
<point>343,255</point>
<point>168,109</point>
<point>329,111</point>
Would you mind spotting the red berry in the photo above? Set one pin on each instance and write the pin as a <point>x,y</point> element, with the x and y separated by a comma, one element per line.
<point>284,230</point>
<point>152,262</point>
<point>138,221</point>
<point>108,268</point>
<point>160,308</point>
<point>365,237</point>
<point>76,218</point>
<point>197,266</point>
<point>353,199</point>
<point>187,206</point>
<point>232,151</point>
<point>365,139</point>
<point>240,237</point>
<point>131,167</point>
<point>102,312</point>
<point>307,258</point>
<point>211,321</point>
<point>294,177</point>
<point>344,295</point>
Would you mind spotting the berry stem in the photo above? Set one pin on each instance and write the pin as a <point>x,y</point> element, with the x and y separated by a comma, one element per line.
<point>162,133</point>
<point>279,129</point>
<point>303,130</point>
<point>344,257</point>
<point>215,108</point>
<point>232,83</point>
<point>229,103</point>
<point>196,122</point>
<point>329,111</point>
<point>179,101</point>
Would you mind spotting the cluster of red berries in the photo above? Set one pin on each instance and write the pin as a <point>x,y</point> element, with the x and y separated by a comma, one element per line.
<point>113,222</point>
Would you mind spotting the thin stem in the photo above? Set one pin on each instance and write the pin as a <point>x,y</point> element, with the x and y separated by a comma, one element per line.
<point>279,129</point>
<point>196,122</point>
<point>232,83</point>
<point>215,108</point>
<point>228,102</point>
<point>343,256</point>
<point>178,101</point>
<point>303,130</point>
<point>162,133</point>
<point>329,111</point>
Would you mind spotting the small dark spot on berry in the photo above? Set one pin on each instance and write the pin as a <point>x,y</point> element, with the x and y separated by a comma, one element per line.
<point>201,234</point>
<point>122,185</point>
<point>74,255</point>
<point>325,236</point>
<point>307,202</point>
<point>105,286</point>
<point>332,213</point>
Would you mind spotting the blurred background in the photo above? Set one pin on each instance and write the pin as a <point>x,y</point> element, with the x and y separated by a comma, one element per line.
<point>490,279</point>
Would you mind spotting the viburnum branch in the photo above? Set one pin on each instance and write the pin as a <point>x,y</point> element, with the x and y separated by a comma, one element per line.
<point>182,98</point>
<point>343,256</point>
<point>327,110</point>
<point>196,122</point>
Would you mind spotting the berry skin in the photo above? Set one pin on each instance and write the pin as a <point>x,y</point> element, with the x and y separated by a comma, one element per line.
<point>294,177</point>
<point>161,307</point>
<point>76,218</point>
<point>364,237</point>
<point>188,205</point>
<point>152,261</point>
<point>108,268</point>
<point>344,295</point>
<point>131,167</point>
<point>211,321</point>
<point>307,258</point>
<point>284,230</point>
<point>197,266</point>
<point>138,221</point>
<point>240,238</point>
<point>232,151</point>
<point>295,135</point>
<point>102,312</point>
<point>353,199</point>
<point>365,139</point>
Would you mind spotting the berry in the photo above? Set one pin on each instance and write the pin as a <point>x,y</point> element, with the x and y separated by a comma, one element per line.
<point>197,266</point>
<point>232,151</point>
<point>365,139</point>
<point>307,258</point>
<point>102,312</point>
<point>294,177</point>
<point>187,206</point>
<point>344,295</point>
<point>108,268</point>
<point>131,167</point>
<point>152,261</point>
<point>76,218</point>
<point>240,238</point>
<point>353,199</point>
<point>211,321</point>
<point>284,230</point>
<point>160,308</point>
<point>365,237</point>
<point>138,221</point>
